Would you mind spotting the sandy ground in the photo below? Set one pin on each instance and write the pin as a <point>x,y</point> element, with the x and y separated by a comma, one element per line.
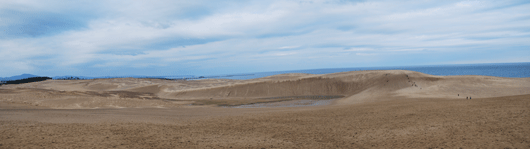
<point>379,109</point>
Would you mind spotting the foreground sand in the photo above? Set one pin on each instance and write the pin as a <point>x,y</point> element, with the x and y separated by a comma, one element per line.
<point>381,109</point>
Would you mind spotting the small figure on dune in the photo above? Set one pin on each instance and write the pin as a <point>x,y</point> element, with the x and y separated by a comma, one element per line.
<point>466,97</point>
<point>469,97</point>
<point>458,94</point>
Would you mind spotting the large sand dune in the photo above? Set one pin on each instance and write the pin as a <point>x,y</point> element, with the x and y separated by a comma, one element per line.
<point>380,109</point>
<point>357,86</point>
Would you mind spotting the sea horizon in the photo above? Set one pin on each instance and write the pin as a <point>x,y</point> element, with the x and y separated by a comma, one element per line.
<point>510,70</point>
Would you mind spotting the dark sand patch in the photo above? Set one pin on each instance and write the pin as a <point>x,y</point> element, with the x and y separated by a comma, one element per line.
<point>147,89</point>
<point>269,101</point>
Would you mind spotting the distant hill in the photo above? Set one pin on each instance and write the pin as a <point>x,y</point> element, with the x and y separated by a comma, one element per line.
<point>19,77</point>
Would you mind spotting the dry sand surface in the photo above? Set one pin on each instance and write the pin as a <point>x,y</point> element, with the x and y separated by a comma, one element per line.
<point>361,109</point>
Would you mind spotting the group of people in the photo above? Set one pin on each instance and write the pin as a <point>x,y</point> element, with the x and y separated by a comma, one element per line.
<point>466,97</point>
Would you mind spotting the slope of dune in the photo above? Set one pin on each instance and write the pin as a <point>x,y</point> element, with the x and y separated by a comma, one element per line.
<point>355,87</point>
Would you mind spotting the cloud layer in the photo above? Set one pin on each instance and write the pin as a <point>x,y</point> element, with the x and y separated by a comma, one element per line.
<point>95,38</point>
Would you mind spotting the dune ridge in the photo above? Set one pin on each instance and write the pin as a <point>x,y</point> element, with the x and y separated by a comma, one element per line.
<point>356,87</point>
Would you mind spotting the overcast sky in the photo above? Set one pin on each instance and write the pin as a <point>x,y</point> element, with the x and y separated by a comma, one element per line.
<point>106,38</point>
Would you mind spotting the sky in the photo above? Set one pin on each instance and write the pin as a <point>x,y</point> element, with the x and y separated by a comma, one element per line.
<point>172,37</point>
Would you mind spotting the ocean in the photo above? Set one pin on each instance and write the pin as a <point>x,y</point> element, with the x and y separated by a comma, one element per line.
<point>509,70</point>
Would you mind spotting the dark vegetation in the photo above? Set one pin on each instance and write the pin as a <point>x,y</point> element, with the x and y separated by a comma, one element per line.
<point>78,78</point>
<point>161,78</point>
<point>70,78</point>
<point>37,79</point>
<point>27,80</point>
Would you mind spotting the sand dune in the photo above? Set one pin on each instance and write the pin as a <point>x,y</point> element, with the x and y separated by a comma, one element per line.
<point>377,109</point>
<point>356,86</point>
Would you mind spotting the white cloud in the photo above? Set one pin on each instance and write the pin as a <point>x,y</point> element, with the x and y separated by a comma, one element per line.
<point>167,33</point>
<point>284,53</point>
<point>288,47</point>
<point>359,49</point>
